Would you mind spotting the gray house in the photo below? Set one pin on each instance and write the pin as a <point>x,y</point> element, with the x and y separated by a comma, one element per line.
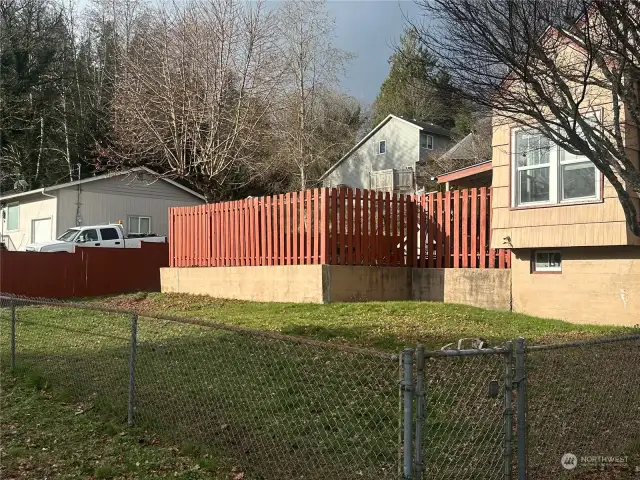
<point>388,157</point>
<point>136,197</point>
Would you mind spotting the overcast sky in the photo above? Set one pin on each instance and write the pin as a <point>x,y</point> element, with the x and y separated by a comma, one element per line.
<point>369,29</point>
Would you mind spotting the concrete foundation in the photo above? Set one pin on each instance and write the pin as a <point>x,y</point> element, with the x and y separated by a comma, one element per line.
<point>596,285</point>
<point>342,283</point>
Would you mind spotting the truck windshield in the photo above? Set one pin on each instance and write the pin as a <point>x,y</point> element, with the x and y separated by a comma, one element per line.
<point>69,235</point>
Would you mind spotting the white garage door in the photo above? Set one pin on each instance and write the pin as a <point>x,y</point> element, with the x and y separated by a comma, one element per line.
<point>41,230</point>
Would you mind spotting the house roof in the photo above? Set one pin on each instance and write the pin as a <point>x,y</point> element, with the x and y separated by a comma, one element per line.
<point>468,148</point>
<point>463,150</point>
<point>465,172</point>
<point>101,177</point>
<point>428,127</point>
<point>422,126</point>
<point>473,148</point>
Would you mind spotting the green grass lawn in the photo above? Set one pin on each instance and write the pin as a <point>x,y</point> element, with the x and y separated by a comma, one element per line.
<point>273,408</point>
<point>382,325</point>
<point>45,434</point>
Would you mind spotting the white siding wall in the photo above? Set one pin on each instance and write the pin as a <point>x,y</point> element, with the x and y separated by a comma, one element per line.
<point>403,149</point>
<point>32,207</point>
<point>114,199</point>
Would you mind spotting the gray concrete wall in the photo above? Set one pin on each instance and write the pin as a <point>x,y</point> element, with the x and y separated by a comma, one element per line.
<point>345,283</point>
<point>485,288</point>
<point>342,283</point>
<point>294,283</point>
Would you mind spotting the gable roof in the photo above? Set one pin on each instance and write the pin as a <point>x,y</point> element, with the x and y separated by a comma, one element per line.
<point>422,126</point>
<point>103,177</point>
<point>469,148</point>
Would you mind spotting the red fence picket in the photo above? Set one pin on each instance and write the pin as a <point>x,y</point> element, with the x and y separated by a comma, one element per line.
<point>339,227</point>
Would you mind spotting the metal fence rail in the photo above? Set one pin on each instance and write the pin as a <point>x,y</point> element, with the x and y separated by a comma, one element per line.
<point>283,407</point>
<point>277,407</point>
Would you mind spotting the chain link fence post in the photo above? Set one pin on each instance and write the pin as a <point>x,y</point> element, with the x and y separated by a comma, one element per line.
<point>521,381</point>
<point>508,410</point>
<point>12,358</point>
<point>132,370</point>
<point>407,388</point>
<point>420,397</point>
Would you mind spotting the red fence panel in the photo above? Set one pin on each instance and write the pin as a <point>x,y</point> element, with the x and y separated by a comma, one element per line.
<point>358,228</point>
<point>340,227</point>
<point>474,227</point>
<point>484,227</point>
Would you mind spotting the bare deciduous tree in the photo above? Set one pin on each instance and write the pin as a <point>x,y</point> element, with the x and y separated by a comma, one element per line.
<point>512,57</point>
<point>198,85</point>
<point>311,66</point>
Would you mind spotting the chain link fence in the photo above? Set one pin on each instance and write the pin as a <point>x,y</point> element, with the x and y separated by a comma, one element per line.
<point>464,433</point>
<point>271,406</point>
<point>583,409</point>
<point>275,406</point>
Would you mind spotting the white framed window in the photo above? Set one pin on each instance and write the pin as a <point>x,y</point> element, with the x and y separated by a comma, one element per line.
<point>546,261</point>
<point>380,147</point>
<point>426,142</point>
<point>543,173</point>
<point>13,216</point>
<point>579,178</point>
<point>139,224</point>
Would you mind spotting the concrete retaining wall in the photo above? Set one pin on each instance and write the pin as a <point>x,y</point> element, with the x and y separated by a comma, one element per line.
<point>486,288</point>
<point>342,283</point>
<point>288,283</point>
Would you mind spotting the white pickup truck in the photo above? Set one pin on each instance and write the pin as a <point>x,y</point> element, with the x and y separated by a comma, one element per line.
<point>103,236</point>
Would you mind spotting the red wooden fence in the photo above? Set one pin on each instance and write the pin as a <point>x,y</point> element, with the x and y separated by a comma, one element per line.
<point>87,272</point>
<point>339,227</point>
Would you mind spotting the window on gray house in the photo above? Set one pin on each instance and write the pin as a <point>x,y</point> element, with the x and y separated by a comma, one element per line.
<point>426,142</point>
<point>139,225</point>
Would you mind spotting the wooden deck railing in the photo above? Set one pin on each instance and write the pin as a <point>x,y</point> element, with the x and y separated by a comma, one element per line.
<point>339,227</point>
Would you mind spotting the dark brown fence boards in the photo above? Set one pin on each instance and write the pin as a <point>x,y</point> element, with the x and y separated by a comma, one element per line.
<point>87,272</point>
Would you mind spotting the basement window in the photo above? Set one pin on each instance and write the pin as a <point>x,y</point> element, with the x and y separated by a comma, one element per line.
<point>546,261</point>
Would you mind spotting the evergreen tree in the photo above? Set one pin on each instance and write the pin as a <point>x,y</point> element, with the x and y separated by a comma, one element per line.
<point>416,87</point>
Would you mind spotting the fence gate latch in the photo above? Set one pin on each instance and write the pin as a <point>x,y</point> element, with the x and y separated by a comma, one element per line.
<point>494,389</point>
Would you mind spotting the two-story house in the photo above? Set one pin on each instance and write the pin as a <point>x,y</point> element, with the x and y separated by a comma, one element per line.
<point>574,257</point>
<point>387,157</point>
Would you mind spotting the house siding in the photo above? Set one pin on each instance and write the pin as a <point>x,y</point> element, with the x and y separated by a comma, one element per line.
<point>600,223</point>
<point>32,207</point>
<point>403,150</point>
<point>597,285</point>
<point>114,199</point>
